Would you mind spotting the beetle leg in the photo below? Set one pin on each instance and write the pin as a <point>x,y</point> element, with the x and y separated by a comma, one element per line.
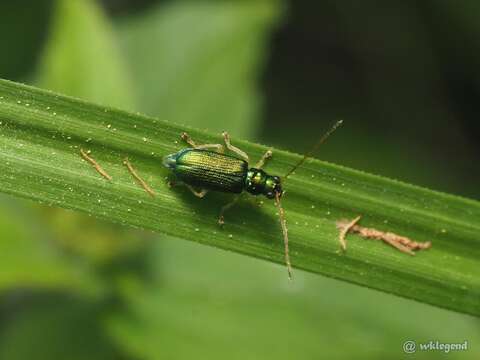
<point>199,194</point>
<point>221,218</point>
<point>189,141</point>
<point>263,160</point>
<point>185,137</point>
<point>230,147</point>
<point>220,148</point>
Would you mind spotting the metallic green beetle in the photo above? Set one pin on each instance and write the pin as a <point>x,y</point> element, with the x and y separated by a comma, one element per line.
<point>214,170</point>
<point>201,170</point>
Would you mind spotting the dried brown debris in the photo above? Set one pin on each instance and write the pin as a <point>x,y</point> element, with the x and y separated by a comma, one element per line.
<point>402,243</point>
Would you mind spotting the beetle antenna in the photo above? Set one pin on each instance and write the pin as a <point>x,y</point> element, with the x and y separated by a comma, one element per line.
<point>283,222</point>
<point>315,147</point>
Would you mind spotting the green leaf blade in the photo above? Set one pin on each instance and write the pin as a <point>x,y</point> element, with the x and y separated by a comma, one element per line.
<point>40,159</point>
<point>81,52</point>
<point>198,62</point>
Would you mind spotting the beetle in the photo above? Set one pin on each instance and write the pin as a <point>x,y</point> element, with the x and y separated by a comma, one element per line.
<point>206,167</point>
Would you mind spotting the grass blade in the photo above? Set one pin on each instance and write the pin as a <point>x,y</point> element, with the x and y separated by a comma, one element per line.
<point>42,134</point>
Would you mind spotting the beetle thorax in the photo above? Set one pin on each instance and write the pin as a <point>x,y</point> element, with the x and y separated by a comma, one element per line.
<point>259,182</point>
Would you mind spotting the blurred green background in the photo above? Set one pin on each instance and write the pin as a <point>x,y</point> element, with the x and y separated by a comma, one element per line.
<point>404,75</point>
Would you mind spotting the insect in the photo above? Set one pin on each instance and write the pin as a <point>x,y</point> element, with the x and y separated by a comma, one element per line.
<point>206,167</point>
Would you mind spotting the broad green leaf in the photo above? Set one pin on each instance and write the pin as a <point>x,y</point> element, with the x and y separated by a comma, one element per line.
<point>22,31</point>
<point>82,57</point>
<point>199,297</point>
<point>29,259</point>
<point>95,242</point>
<point>56,327</point>
<point>198,62</point>
<point>42,134</point>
